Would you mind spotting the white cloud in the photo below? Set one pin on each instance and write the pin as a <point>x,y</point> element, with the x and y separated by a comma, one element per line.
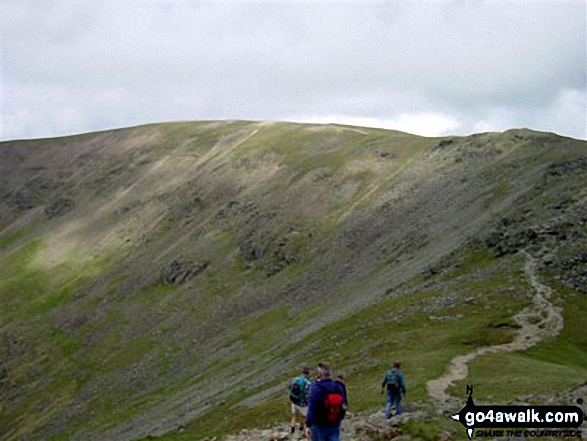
<point>428,67</point>
<point>567,114</point>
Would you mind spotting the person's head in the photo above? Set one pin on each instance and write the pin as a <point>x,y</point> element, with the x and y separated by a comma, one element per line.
<point>396,365</point>
<point>324,370</point>
<point>306,371</point>
<point>340,377</point>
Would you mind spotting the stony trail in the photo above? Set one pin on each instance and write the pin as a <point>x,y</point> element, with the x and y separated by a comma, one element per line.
<point>539,320</point>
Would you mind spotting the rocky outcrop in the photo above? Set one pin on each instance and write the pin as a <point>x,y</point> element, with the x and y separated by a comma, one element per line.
<point>565,168</point>
<point>272,257</point>
<point>180,271</point>
<point>571,271</point>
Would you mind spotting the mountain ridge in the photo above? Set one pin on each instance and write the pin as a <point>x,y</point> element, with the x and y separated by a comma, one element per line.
<point>137,251</point>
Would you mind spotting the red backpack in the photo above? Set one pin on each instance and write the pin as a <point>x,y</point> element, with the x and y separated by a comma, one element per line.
<point>334,406</point>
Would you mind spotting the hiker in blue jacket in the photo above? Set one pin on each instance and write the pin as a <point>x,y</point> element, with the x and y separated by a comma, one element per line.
<point>299,393</point>
<point>396,386</point>
<point>327,407</point>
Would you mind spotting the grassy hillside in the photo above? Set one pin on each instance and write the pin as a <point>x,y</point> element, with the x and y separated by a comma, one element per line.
<point>168,280</point>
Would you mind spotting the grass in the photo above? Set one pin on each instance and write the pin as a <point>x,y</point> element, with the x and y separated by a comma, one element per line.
<point>47,369</point>
<point>423,430</point>
<point>19,284</point>
<point>7,239</point>
<point>553,366</point>
<point>364,343</point>
<point>304,149</point>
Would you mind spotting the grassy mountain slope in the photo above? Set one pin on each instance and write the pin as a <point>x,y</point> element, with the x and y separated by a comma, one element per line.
<point>167,280</point>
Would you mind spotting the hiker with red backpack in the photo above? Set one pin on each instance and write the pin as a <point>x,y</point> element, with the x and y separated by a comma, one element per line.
<point>327,407</point>
<point>396,387</point>
<point>299,393</point>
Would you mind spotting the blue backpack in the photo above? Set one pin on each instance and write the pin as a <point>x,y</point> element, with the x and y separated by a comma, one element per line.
<point>392,380</point>
<point>298,391</point>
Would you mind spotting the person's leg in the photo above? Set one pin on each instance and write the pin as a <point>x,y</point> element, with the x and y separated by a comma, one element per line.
<point>398,402</point>
<point>303,413</point>
<point>293,418</point>
<point>388,407</point>
<point>325,433</point>
<point>334,433</point>
<point>316,434</point>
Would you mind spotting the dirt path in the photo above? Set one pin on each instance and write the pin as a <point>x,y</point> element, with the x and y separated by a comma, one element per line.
<point>539,320</point>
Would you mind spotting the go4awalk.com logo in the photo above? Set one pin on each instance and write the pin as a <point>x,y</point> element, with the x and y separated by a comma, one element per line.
<point>516,421</point>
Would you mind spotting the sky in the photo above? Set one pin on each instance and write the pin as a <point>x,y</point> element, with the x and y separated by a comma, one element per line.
<point>433,68</point>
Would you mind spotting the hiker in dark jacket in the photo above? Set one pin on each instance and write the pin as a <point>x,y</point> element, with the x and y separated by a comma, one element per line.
<point>328,403</point>
<point>340,379</point>
<point>396,386</point>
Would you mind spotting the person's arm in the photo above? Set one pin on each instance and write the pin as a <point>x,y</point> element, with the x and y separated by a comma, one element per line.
<point>343,390</point>
<point>314,392</point>
<point>383,383</point>
<point>403,386</point>
<point>292,397</point>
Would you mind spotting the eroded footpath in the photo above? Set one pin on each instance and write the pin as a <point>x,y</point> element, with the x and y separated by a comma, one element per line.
<point>539,320</point>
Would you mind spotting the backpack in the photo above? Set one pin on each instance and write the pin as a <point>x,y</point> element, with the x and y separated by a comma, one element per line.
<point>298,391</point>
<point>392,380</point>
<point>334,406</point>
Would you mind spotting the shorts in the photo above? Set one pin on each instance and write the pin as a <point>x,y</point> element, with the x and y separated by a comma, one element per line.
<point>299,409</point>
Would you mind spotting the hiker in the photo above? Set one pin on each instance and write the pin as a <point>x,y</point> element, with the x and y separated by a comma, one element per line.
<point>327,406</point>
<point>299,392</point>
<point>340,379</point>
<point>396,386</point>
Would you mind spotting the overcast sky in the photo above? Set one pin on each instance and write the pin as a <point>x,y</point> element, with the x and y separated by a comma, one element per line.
<point>425,67</point>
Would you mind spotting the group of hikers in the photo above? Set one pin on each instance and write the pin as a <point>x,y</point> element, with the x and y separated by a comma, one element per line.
<point>319,406</point>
